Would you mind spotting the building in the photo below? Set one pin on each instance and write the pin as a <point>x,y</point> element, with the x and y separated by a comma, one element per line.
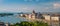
<point>30,16</point>
<point>21,15</point>
<point>47,17</point>
<point>51,17</point>
<point>39,16</point>
<point>26,15</point>
<point>2,24</point>
<point>7,24</point>
<point>55,17</point>
<point>33,15</point>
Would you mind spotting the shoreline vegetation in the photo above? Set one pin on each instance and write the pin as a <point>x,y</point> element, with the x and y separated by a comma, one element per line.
<point>5,14</point>
<point>29,23</point>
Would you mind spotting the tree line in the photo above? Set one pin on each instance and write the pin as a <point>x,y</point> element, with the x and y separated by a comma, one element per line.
<point>26,23</point>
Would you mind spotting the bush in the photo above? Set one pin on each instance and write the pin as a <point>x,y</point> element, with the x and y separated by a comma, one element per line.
<point>26,23</point>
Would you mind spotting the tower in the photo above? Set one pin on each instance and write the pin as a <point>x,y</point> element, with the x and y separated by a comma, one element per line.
<point>33,12</point>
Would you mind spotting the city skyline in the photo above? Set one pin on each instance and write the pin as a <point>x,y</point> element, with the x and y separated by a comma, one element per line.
<point>29,5</point>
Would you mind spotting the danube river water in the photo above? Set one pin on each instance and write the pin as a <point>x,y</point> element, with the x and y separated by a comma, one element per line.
<point>12,19</point>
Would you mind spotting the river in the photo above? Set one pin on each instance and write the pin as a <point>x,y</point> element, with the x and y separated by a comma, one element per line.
<point>12,19</point>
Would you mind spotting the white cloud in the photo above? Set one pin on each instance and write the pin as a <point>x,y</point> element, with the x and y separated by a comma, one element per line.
<point>56,5</point>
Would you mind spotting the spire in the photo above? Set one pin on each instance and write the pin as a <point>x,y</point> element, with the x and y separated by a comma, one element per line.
<point>33,11</point>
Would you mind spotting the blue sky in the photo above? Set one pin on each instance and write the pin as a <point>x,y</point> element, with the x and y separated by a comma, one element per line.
<point>29,5</point>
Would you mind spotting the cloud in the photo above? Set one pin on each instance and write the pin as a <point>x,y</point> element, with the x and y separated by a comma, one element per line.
<point>39,6</point>
<point>56,5</point>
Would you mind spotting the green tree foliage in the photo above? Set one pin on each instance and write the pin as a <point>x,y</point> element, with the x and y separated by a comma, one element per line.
<point>26,23</point>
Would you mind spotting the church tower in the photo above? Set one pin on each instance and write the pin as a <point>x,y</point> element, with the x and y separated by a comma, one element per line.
<point>33,12</point>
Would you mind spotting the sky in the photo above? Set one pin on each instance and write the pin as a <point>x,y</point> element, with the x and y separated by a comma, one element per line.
<point>29,5</point>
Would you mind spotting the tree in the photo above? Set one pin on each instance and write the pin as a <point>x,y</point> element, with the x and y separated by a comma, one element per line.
<point>26,23</point>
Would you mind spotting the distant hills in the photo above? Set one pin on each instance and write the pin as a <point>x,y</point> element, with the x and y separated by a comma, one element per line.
<point>5,14</point>
<point>11,13</point>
